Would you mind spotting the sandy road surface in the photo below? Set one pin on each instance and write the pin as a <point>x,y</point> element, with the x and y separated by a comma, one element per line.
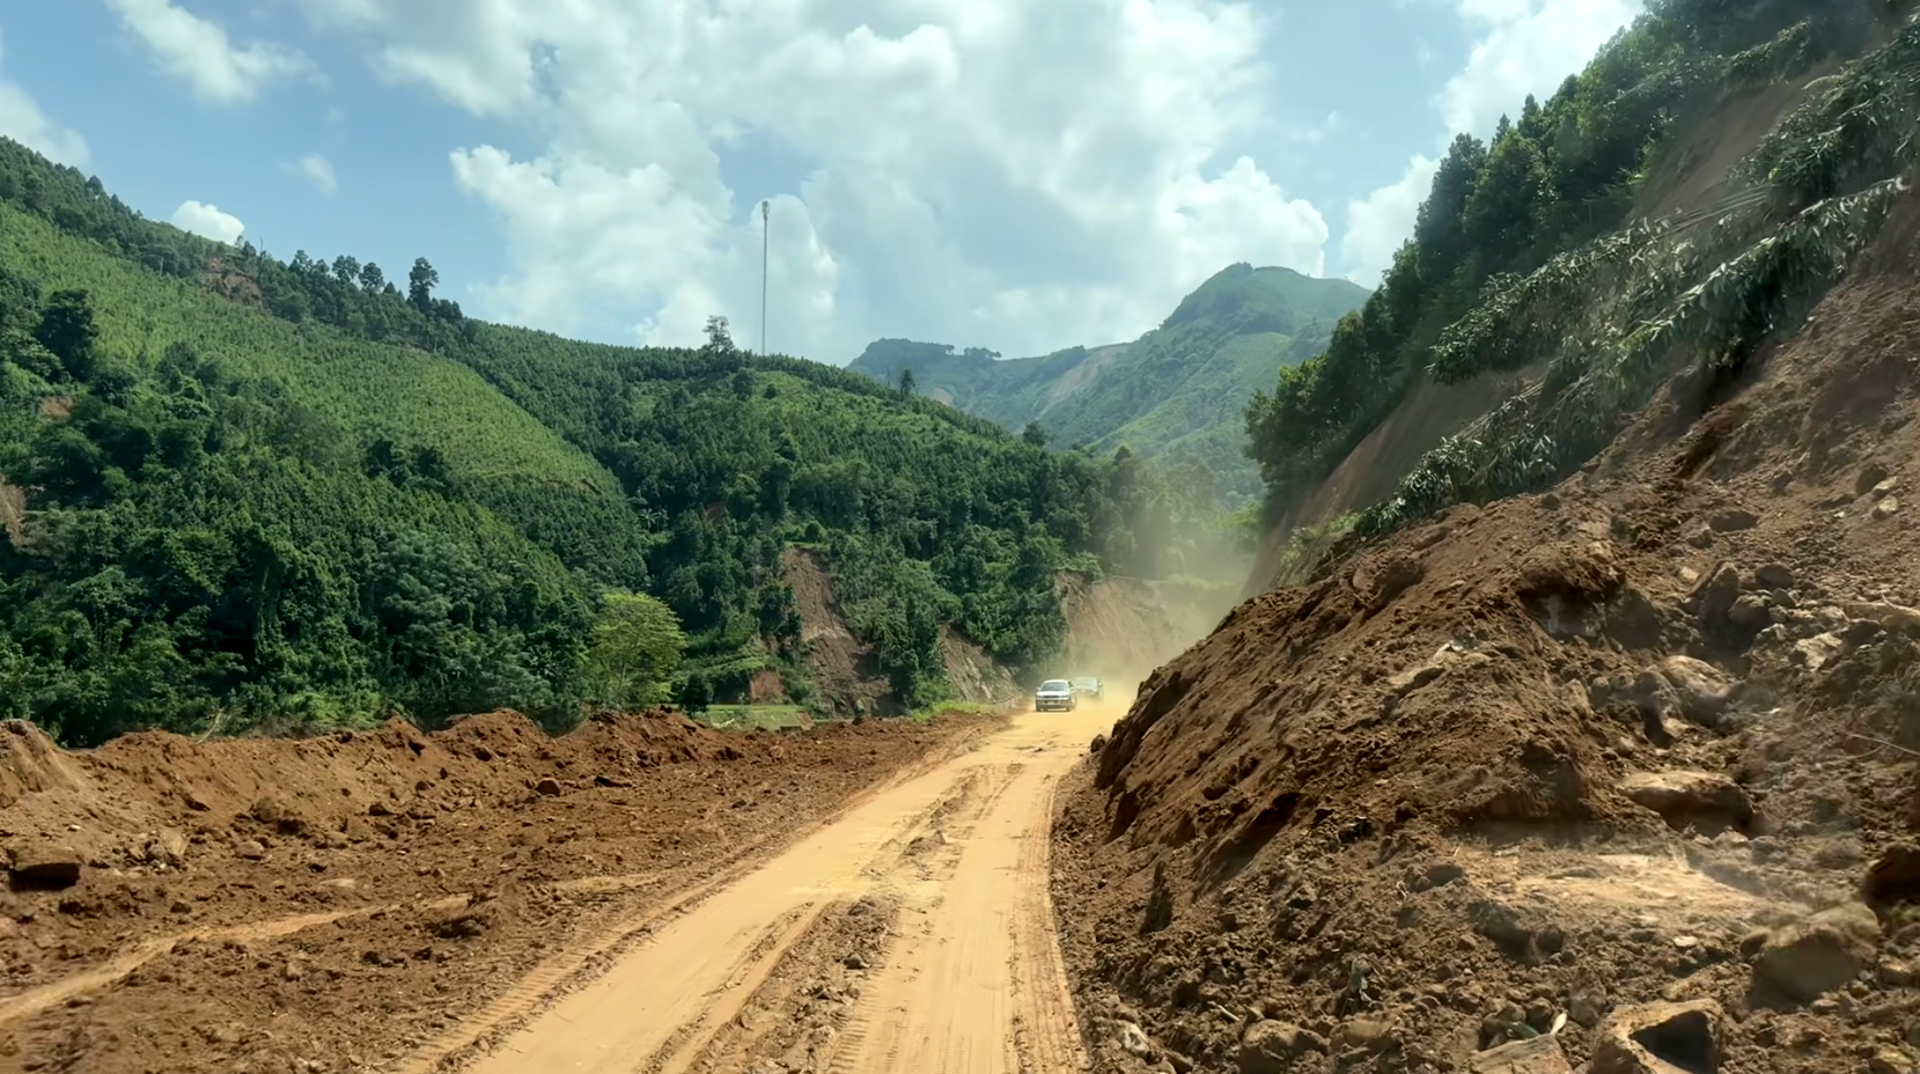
<point>967,976</point>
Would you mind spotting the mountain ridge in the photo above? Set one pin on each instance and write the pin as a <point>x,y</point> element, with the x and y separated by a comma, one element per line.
<point>1174,396</point>
<point>240,493</point>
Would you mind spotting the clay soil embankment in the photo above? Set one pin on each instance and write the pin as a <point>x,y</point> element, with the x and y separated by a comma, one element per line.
<point>1617,778</point>
<point>373,900</point>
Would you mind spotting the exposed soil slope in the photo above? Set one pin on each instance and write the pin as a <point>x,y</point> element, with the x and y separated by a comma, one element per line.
<point>844,668</point>
<point>1373,469</point>
<point>1649,737</point>
<point>340,904</point>
<point>1691,175</point>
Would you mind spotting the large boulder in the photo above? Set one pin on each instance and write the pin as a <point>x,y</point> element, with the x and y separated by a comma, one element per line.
<point>47,868</point>
<point>1826,952</point>
<point>1661,1038</point>
<point>1709,802</point>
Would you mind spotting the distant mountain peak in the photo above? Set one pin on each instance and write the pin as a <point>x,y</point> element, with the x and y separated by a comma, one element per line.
<point>1176,393</point>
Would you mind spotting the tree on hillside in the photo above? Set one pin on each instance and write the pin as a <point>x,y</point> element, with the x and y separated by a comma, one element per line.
<point>1034,435</point>
<point>906,382</point>
<point>372,280</point>
<point>420,284</point>
<point>633,652</point>
<point>1507,207</point>
<point>67,330</point>
<point>346,269</point>
<point>719,336</point>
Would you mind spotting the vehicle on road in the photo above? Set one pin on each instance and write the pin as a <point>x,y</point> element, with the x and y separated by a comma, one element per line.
<point>1088,685</point>
<point>1055,695</point>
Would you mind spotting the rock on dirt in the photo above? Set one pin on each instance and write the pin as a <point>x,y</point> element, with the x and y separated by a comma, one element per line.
<point>1270,1047</point>
<point>47,868</point>
<point>1706,801</point>
<point>1277,790</point>
<point>1538,1055</point>
<point>1826,952</point>
<point>1894,877</point>
<point>1733,520</point>
<point>548,786</point>
<point>1661,1038</point>
<point>1702,690</point>
<point>1133,1041</point>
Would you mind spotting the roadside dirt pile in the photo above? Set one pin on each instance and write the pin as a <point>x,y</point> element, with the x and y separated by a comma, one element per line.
<point>1620,777</point>
<point>338,903</point>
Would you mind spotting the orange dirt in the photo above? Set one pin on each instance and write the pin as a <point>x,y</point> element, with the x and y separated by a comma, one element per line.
<point>1563,755</point>
<point>344,903</point>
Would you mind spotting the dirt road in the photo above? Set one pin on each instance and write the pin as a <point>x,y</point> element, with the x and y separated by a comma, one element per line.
<point>913,934</point>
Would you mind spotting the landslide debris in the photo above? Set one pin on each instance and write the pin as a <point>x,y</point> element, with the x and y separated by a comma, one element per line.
<point>331,904</point>
<point>1620,777</point>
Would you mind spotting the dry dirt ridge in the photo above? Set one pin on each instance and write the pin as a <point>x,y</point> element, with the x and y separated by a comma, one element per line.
<point>644,894</point>
<point>1618,778</point>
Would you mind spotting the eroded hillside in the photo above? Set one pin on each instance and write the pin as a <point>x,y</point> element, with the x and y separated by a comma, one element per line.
<point>1591,748</point>
<point>1540,768</point>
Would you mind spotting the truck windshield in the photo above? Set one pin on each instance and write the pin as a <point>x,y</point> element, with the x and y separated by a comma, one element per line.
<point>1053,686</point>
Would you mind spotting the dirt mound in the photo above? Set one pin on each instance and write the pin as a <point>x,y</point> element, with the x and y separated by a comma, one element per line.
<point>329,903</point>
<point>1530,770</point>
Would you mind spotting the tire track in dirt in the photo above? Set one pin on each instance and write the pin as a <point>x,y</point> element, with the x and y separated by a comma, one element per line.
<point>1046,1033</point>
<point>939,842</point>
<point>972,982</point>
<point>577,968</point>
<point>564,972</point>
<point>920,855</point>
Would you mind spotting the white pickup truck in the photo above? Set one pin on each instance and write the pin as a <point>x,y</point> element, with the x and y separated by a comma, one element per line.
<point>1055,695</point>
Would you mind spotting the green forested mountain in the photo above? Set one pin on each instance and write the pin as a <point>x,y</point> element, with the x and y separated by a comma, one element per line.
<point>1542,246</point>
<point>238,491</point>
<point>1174,396</point>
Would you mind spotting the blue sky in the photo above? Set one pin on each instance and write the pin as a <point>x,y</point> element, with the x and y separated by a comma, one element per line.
<point>1005,173</point>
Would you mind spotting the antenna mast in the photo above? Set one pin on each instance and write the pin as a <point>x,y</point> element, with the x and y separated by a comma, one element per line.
<point>766,225</point>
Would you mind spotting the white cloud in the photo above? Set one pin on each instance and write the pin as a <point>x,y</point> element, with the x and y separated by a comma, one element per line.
<point>199,53</point>
<point>22,120</point>
<point>1525,46</point>
<point>317,170</point>
<point>1521,47</point>
<point>208,221</point>
<point>1016,175</point>
<point>1378,223</point>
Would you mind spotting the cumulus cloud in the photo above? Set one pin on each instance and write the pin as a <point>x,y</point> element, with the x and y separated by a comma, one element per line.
<point>317,170</point>
<point>199,53</point>
<point>208,221</point>
<point>1524,46</point>
<point>1016,175</point>
<point>1520,47</point>
<point>22,120</point>
<point>1378,223</point>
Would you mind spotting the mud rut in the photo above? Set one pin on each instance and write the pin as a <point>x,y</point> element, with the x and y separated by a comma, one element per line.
<point>945,873</point>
